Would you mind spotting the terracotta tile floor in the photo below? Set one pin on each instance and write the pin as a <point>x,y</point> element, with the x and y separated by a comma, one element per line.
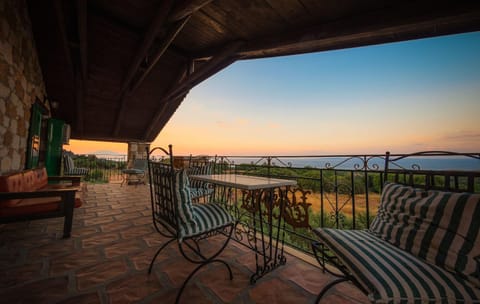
<point>106,261</point>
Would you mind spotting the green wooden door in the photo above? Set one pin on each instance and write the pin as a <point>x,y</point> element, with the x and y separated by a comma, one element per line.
<point>53,155</point>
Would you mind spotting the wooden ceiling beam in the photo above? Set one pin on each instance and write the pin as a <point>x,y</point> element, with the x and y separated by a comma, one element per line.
<point>167,113</point>
<point>180,15</point>
<point>157,24</point>
<point>187,8</point>
<point>162,102</point>
<point>81,80</point>
<point>217,63</point>
<point>172,33</point>
<point>166,42</point>
<point>63,35</point>
<point>82,36</point>
<point>75,73</point>
<point>79,98</point>
<point>377,27</point>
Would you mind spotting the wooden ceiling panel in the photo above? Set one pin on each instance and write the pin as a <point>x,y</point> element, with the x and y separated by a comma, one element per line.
<point>132,13</point>
<point>292,12</point>
<point>109,48</point>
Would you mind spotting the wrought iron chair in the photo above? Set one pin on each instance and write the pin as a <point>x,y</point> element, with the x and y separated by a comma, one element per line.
<point>177,219</point>
<point>135,174</point>
<point>199,165</point>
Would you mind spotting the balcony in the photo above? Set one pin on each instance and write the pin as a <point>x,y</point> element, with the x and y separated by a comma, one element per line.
<point>113,240</point>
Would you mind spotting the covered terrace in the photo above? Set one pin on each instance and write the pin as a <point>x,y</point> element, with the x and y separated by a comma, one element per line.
<point>118,71</point>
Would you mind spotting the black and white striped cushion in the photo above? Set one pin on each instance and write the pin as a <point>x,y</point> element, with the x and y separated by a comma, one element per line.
<point>207,217</point>
<point>392,275</point>
<point>442,228</point>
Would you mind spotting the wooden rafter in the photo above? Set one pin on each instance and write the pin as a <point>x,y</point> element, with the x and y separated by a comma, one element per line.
<point>356,31</point>
<point>226,55</point>
<point>165,44</point>
<point>180,17</point>
<point>79,97</point>
<point>187,8</point>
<point>217,63</point>
<point>81,81</point>
<point>63,35</point>
<point>162,102</point>
<point>157,24</point>
<point>82,36</point>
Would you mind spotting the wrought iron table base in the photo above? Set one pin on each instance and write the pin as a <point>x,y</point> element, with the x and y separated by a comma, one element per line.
<point>271,248</point>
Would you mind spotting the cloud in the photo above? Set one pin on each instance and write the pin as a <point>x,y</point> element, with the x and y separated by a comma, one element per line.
<point>462,136</point>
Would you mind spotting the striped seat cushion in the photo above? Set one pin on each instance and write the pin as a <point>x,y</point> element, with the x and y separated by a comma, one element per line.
<point>392,275</point>
<point>206,217</point>
<point>77,171</point>
<point>442,228</point>
<point>70,167</point>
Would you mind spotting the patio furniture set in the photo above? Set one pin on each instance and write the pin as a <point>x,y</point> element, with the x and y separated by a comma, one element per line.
<point>423,246</point>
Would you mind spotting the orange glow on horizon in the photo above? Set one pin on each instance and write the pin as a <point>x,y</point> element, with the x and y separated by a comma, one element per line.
<point>98,147</point>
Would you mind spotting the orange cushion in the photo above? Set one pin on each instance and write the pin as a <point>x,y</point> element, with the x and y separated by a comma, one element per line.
<point>11,183</point>
<point>35,206</point>
<point>29,180</point>
<point>41,178</point>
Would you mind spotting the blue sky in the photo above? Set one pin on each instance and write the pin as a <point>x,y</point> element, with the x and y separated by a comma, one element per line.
<point>403,97</point>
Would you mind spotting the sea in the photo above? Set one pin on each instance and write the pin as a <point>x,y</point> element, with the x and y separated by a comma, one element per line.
<point>346,163</point>
<point>375,163</point>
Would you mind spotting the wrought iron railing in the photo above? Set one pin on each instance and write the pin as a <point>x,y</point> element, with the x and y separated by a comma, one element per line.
<point>339,191</point>
<point>343,191</point>
<point>102,168</point>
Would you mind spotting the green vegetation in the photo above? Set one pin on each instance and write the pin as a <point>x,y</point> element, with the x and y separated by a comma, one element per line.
<point>101,170</point>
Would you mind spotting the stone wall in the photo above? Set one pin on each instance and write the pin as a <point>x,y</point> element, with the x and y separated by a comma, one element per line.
<point>136,150</point>
<point>21,82</point>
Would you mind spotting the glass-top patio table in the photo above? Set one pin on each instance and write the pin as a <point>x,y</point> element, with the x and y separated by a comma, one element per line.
<point>263,199</point>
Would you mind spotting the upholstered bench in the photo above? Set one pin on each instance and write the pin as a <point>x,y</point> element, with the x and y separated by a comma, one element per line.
<point>28,195</point>
<point>422,247</point>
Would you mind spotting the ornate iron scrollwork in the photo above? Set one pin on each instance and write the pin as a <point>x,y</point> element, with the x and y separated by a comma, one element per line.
<point>296,207</point>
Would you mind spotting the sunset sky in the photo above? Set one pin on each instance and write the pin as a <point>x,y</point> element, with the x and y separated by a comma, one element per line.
<point>402,97</point>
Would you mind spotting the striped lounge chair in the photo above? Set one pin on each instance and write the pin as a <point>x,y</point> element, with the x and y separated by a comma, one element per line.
<point>69,167</point>
<point>422,247</point>
<point>177,219</point>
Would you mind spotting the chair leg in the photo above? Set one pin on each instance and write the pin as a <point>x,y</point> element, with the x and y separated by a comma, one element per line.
<point>328,286</point>
<point>179,294</point>
<point>156,254</point>
<point>69,205</point>
<point>204,260</point>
